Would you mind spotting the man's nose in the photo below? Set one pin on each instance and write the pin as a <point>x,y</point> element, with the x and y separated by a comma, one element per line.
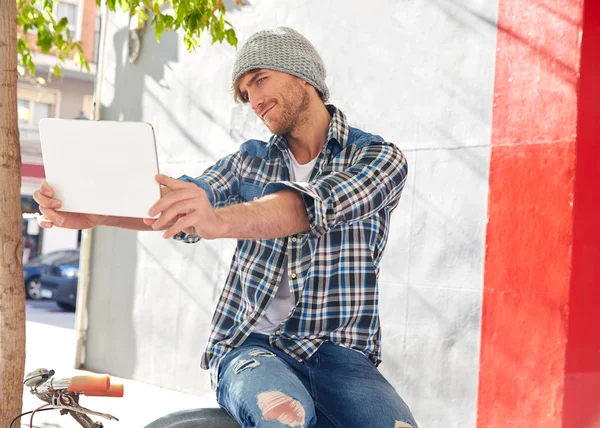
<point>256,102</point>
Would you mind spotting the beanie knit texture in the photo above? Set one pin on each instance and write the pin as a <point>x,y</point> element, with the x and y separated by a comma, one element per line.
<point>282,49</point>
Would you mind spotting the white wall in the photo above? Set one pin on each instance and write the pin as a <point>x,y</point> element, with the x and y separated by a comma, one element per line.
<point>419,73</point>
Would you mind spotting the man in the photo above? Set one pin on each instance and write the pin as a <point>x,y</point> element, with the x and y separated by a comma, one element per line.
<point>295,338</point>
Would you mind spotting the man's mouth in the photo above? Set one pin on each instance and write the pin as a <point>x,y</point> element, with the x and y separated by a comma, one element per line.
<point>264,115</point>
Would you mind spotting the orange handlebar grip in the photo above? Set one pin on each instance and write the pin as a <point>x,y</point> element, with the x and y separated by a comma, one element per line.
<point>89,384</point>
<point>115,390</point>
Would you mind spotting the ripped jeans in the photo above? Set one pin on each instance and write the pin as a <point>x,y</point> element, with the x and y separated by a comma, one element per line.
<point>261,386</point>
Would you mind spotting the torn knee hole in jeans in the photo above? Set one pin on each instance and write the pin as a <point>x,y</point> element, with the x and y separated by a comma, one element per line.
<point>400,424</point>
<point>277,406</point>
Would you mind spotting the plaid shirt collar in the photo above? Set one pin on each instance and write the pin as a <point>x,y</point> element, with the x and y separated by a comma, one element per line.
<point>337,135</point>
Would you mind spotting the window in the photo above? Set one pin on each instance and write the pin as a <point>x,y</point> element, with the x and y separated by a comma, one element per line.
<point>69,9</point>
<point>34,105</point>
<point>31,112</point>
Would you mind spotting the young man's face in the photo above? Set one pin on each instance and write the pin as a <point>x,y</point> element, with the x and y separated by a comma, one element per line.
<point>278,99</point>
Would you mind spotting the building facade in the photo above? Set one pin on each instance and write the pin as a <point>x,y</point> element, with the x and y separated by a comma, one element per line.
<point>44,95</point>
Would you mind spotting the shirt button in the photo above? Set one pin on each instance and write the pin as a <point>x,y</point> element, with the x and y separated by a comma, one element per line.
<point>273,281</point>
<point>293,276</point>
<point>294,239</point>
<point>255,198</point>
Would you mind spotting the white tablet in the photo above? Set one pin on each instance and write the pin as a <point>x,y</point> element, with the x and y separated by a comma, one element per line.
<point>101,167</point>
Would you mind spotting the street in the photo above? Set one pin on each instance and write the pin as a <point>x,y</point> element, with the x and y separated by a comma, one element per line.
<point>47,312</point>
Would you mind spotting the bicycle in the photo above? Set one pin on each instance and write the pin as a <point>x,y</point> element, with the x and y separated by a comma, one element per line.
<point>64,394</point>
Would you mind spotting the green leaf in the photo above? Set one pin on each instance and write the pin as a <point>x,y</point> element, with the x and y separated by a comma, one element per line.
<point>193,23</point>
<point>219,34</point>
<point>187,42</point>
<point>30,65</point>
<point>44,42</point>
<point>48,6</point>
<point>231,37</point>
<point>56,70</point>
<point>61,25</point>
<point>158,29</point>
<point>124,5</point>
<point>169,21</point>
<point>181,11</point>
<point>142,13</point>
<point>22,46</point>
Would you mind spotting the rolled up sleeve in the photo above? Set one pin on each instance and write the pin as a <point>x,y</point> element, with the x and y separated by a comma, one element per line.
<point>373,181</point>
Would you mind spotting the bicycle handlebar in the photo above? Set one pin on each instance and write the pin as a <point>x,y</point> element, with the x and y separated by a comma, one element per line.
<point>115,390</point>
<point>64,393</point>
<point>85,384</point>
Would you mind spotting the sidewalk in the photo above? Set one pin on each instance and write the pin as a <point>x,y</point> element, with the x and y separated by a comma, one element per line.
<point>54,348</point>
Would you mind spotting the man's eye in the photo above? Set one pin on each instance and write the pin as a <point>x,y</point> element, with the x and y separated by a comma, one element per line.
<point>259,81</point>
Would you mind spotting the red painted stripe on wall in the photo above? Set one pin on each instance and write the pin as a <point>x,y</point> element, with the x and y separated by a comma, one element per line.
<point>530,214</point>
<point>582,377</point>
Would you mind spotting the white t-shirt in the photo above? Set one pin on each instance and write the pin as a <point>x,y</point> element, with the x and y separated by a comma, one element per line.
<point>281,305</point>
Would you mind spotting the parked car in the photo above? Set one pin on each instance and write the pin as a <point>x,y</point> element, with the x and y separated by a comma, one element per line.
<point>31,270</point>
<point>59,282</point>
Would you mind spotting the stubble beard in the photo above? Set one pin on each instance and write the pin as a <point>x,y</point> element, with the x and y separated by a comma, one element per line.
<point>294,107</point>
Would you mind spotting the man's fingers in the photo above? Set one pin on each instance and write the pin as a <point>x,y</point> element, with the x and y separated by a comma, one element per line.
<point>171,183</point>
<point>173,213</point>
<point>183,223</point>
<point>45,201</point>
<point>52,216</point>
<point>151,221</point>
<point>172,198</point>
<point>164,190</point>
<point>44,222</point>
<point>148,221</point>
<point>46,189</point>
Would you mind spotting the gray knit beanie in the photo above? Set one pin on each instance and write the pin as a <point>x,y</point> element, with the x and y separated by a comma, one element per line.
<point>286,50</point>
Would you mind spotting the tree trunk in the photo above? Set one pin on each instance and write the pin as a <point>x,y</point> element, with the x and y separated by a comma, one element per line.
<point>12,290</point>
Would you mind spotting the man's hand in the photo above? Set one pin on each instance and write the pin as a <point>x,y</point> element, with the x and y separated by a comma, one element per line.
<point>50,217</point>
<point>184,207</point>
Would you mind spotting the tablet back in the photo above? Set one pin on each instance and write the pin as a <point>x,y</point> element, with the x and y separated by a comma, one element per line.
<point>101,167</point>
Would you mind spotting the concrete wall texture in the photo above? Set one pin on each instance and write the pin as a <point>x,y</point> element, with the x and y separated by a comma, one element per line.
<point>419,73</point>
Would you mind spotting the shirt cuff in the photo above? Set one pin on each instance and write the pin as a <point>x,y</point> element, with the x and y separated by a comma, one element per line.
<point>201,184</point>
<point>315,207</point>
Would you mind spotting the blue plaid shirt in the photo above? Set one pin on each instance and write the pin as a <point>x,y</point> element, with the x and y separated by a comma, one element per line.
<point>333,269</point>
